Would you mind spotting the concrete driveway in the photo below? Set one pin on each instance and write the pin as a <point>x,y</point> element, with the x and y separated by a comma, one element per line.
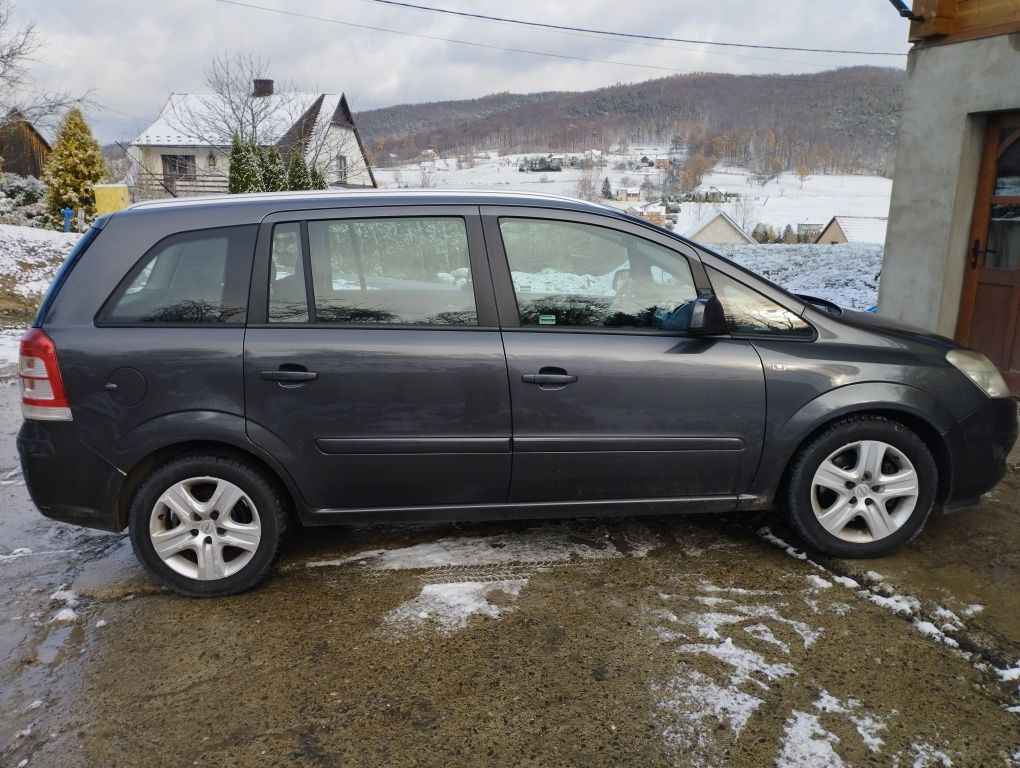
<point>686,641</point>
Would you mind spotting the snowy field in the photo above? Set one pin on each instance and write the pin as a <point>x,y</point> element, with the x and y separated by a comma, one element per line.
<point>780,202</point>
<point>846,274</point>
<point>29,258</point>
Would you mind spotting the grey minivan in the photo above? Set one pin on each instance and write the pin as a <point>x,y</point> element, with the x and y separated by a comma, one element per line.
<point>208,372</point>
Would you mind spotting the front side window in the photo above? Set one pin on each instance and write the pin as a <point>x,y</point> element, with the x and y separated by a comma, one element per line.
<point>748,312</point>
<point>402,271</point>
<point>579,275</point>
<point>193,277</point>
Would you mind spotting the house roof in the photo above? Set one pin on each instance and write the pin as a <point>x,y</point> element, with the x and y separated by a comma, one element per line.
<point>695,229</point>
<point>859,229</point>
<point>176,124</point>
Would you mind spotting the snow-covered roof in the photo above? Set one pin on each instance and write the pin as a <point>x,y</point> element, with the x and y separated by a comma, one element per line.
<point>695,229</point>
<point>860,229</point>
<point>183,115</point>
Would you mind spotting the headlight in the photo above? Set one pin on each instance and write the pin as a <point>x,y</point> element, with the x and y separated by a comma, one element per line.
<point>980,370</point>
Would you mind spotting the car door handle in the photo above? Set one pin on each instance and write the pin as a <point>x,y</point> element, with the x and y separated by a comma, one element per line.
<point>289,375</point>
<point>548,378</point>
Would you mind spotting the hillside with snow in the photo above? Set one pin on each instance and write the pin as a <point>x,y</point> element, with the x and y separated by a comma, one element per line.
<point>784,200</point>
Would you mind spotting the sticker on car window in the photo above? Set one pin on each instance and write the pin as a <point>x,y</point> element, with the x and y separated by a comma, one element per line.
<point>547,319</point>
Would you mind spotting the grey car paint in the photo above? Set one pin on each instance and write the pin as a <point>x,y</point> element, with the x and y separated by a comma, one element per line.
<point>683,423</point>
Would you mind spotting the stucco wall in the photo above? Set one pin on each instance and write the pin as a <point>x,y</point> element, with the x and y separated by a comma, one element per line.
<point>719,232</point>
<point>938,152</point>
<point>831,234</point>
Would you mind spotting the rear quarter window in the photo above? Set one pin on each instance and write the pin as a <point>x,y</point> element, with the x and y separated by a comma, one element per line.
<point>198,277</point>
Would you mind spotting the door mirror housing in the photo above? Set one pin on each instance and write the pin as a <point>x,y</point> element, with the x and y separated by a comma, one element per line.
<point>707,317</point>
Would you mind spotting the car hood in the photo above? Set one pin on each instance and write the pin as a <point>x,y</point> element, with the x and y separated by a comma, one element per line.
<point>871,322</point>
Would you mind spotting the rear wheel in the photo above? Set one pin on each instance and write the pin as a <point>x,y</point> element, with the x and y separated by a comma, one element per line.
<point>207,525</point>
<point>862,488</point>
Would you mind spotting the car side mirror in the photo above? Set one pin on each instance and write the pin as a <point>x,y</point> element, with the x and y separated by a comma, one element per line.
<point>707,317</point>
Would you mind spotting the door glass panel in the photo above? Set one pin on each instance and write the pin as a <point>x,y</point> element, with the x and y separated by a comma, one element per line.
<point>287,300</point>
<point>1003,249</point>
<point>410,271</point>
<point>568,275</point>
<point>1007,171</point>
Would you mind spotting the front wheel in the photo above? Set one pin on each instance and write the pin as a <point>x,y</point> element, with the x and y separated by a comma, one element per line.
<point>862,488</point>
<point>207,525</point>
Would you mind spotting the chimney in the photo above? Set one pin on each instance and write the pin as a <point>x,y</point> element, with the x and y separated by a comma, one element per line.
<point>262,87</point>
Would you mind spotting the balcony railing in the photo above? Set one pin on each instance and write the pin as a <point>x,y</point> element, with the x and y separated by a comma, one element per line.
<point>152,186</point>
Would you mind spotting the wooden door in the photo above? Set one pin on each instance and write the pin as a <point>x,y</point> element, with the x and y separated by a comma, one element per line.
<point>990,305</point>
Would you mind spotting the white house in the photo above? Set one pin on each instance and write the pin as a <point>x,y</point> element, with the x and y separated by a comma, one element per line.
<point>717,228</point>
<point>853,229</point>
<point>186,151</point>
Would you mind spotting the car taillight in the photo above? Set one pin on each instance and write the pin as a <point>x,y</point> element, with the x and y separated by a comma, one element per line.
<point>42,391</point>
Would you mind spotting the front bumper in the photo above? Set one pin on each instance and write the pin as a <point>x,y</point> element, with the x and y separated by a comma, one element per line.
<point>66,479</point>
<point>979,447</point>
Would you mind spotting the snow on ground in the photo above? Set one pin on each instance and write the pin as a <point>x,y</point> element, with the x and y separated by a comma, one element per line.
<point>465,574</point>
<point>845,274</point>
<point>780,202</point>
<point>540,545</point>
<point>450,605</point>
<point>29,257</point>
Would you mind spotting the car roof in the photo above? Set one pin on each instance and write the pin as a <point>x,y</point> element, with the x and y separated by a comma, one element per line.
<point>264,203</point>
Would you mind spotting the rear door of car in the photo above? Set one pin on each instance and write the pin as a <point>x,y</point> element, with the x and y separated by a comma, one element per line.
<point>612,398</point>
<point>381,381</point>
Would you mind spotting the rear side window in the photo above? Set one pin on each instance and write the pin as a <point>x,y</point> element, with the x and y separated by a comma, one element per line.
<point>194,277</point>
<point>402,271</point>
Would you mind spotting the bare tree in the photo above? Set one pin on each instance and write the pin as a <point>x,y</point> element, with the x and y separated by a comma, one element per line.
<point>587,185</point>
<point>231,105</point>
<point>428,178</point>
<point>18,43</point>
<point>745,211</point>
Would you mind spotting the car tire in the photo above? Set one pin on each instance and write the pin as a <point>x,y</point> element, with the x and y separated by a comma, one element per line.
<point>208,524</point>
<point>832,498</point>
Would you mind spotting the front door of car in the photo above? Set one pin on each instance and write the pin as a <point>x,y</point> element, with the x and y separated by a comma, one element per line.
<point>374,368</point>
<point>612,397</point>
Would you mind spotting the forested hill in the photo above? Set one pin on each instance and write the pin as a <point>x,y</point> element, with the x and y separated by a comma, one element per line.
<point>843,118</point>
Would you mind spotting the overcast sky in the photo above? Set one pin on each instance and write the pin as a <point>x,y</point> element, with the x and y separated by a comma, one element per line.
<point>132,53</point>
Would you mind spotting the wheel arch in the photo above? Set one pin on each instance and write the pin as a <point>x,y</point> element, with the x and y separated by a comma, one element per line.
<point>147,463</point>
<point>913,408</point>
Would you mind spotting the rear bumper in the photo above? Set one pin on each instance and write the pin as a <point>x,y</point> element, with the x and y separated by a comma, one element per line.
<point>979,447</point>
<point>66,479</point>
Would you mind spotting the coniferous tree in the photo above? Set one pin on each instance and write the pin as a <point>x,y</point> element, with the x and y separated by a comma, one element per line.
<point>607,189</point>
<point>297,172</point>
<point>237,151</point>
<point>72,170</point>
<point>250,171</point>
<point>789,236</point>
<point>316,179</point>
<point>274,174</point>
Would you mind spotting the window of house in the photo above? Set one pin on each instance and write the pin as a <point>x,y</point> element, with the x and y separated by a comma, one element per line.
<point>748,312</point>
<point>341,168</point>
<point>179,166</point>
<point>406,271</point>
<point>192,277</point>
<point>211,160</point>
<point>567,275</point>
